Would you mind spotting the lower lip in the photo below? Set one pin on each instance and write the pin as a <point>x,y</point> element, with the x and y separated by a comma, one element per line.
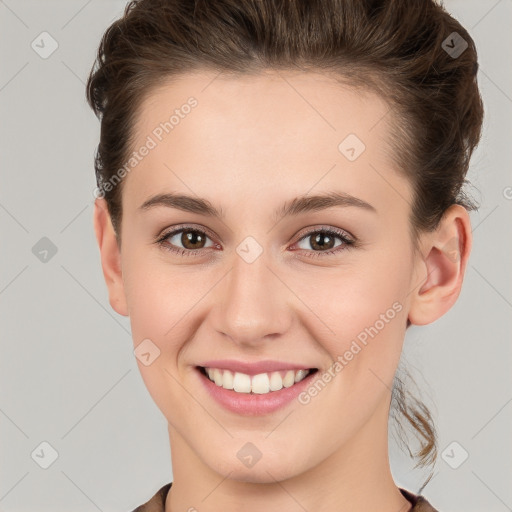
<point>254,404</point>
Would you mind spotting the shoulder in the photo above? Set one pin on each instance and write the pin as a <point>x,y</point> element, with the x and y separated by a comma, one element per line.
<point>419,503</point>
<point>157,502</point>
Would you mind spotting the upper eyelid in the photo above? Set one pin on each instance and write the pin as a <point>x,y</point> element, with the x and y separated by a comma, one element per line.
<point>336,231</point>
<point>173,231</point>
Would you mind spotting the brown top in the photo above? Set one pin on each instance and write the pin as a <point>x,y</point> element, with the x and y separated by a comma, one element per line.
<point>157,502</point>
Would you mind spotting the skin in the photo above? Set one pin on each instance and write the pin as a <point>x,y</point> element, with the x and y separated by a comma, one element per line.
<point>251,145</point>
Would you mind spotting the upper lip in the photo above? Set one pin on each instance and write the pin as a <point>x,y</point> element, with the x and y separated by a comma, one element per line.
<point>253,368</point>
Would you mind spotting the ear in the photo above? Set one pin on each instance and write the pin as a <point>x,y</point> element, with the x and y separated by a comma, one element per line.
<point>110,256</point>
<point>442,262</point>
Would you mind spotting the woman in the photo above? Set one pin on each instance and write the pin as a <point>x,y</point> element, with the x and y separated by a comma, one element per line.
<point>279,199</point>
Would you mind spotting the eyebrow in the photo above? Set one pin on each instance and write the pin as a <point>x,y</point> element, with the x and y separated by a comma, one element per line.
<point>298,205</point>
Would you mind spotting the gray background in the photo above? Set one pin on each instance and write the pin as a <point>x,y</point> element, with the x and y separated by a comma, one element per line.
<point>67,370</point>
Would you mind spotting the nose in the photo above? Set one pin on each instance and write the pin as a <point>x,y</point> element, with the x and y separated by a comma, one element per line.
<point>253,305</point>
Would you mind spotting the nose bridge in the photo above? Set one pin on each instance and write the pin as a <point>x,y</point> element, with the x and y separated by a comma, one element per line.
<point>252,304</point>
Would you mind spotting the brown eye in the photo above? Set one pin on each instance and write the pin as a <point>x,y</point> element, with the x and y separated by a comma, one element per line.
<point>322,242</point>
<point>192,239</point>
<point>185,241</point>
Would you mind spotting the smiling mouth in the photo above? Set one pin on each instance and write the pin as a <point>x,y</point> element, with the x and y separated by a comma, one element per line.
<point>261,383</point>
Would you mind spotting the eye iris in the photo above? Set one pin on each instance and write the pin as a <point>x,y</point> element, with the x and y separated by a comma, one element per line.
<point>322,245</point>
<point>192,237</point>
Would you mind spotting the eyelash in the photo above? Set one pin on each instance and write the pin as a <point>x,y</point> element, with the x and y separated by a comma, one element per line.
<point>347,242</point>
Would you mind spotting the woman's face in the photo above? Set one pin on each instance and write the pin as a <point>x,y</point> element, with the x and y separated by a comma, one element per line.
<point>259,285</point>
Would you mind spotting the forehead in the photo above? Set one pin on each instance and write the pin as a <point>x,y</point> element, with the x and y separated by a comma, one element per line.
<point>309,106</point>
<point>272,131</point>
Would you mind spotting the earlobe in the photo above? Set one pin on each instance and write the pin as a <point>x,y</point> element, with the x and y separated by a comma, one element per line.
<point>442,267</point>
<point>110,257</point>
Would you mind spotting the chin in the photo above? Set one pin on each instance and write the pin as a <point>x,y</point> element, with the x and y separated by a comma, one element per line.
<point>265,471</point>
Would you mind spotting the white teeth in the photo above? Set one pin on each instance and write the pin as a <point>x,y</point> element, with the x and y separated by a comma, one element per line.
<point>276,382</point>
<point>217,377</point>
<point>260,384</point>
<point>300,375</point>
<point>289,379</point>
<point>241,382</point>
<point>227,380</point>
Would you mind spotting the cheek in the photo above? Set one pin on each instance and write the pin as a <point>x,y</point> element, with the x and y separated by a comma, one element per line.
<point>167,303</point>
<point>351,301</point>
<point>361,316</point>
<point>161,303</point>
<point>158,296</point>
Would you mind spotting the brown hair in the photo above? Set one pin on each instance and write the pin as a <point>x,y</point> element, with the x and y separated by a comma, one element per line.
<point>404,50</point>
